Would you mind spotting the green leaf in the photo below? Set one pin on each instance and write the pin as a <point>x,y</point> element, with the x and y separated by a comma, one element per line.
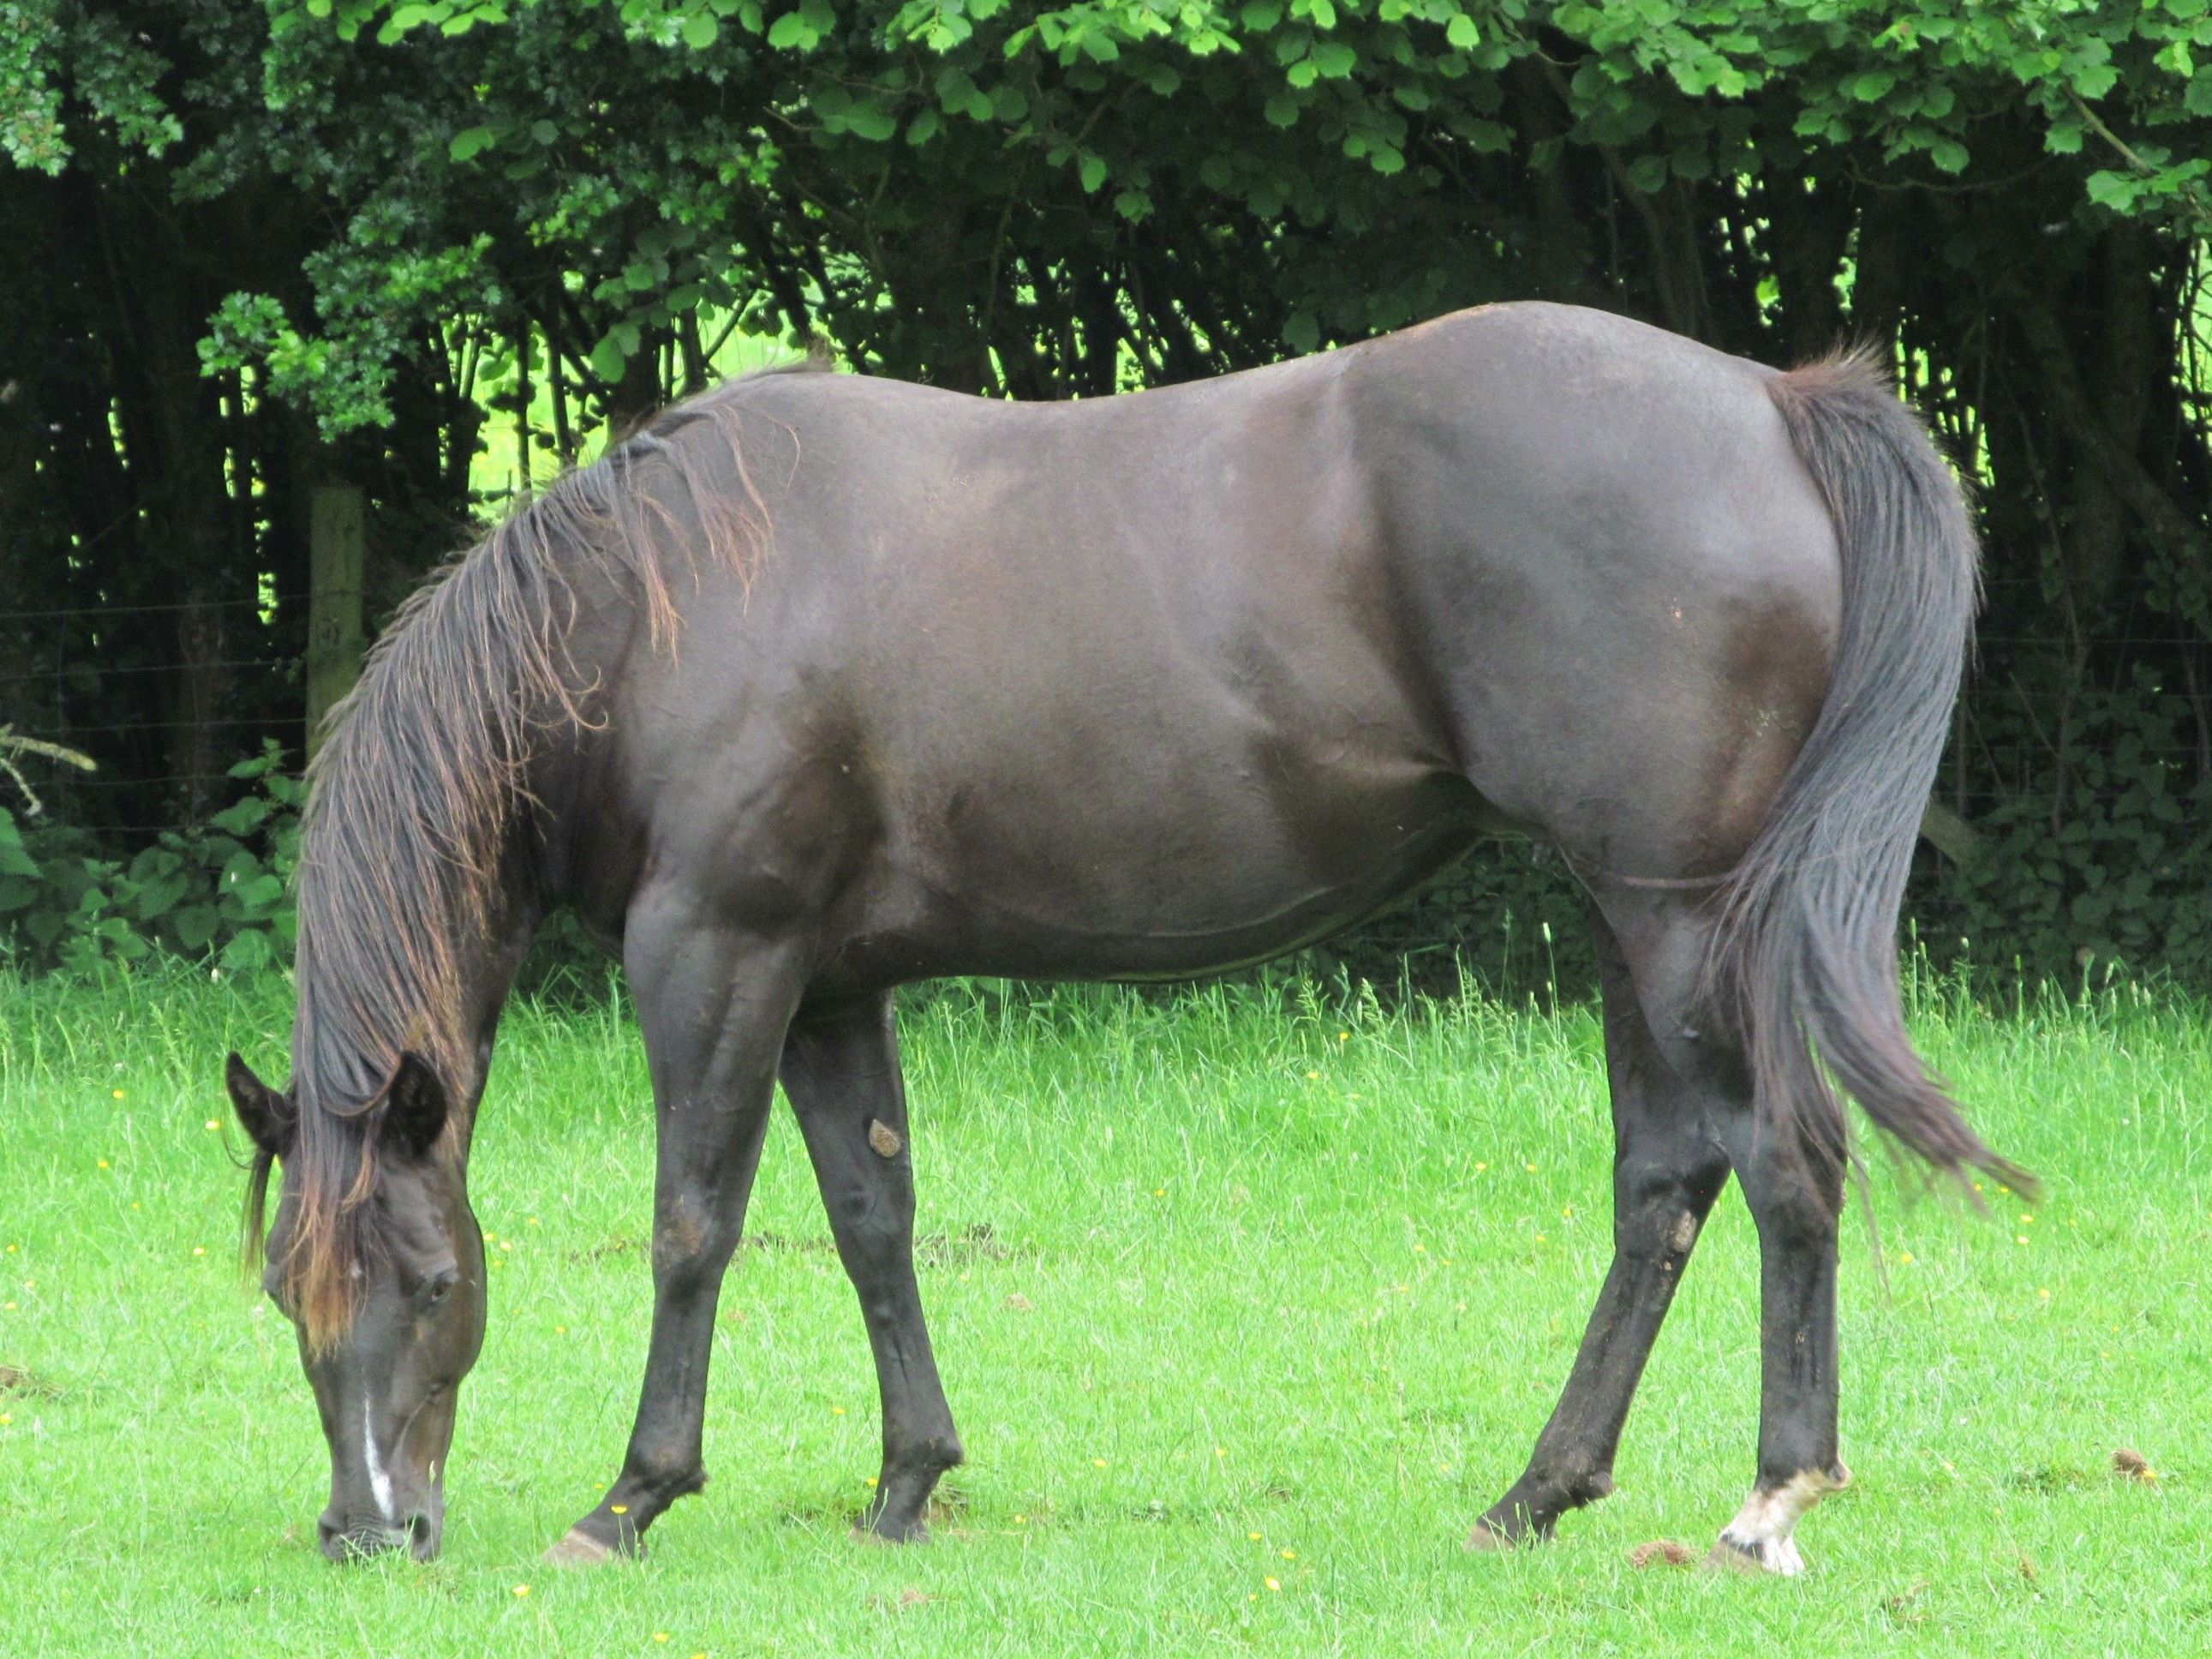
<point>241,819</point>
<point>700,30</point>
<point>1091,170</point>
<point>1282,110</point>
<point>608,359</point>
<point>258,895</point>
<point>2116,190</point>
<point>869,122</point>
<point>248,952</point>
<point>1949,154</point>
<point>1334,59</point>
<point>469,140</point>
<point>1462,33</point>
<point>14,860</point>
<point>194,927</point>
<point>1302,334</point>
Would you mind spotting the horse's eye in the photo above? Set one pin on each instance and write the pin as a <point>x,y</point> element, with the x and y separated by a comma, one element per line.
<point>435,1290</point>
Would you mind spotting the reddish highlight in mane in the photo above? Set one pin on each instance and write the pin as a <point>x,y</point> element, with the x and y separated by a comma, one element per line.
<point>416,794</point>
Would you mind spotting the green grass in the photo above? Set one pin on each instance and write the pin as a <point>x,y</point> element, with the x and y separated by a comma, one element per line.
<point>1236,1289</point>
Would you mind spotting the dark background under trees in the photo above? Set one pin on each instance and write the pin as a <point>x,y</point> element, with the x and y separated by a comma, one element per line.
<point>253,249</point>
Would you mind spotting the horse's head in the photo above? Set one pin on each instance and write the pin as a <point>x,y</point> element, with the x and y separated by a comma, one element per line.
<point>376,1258</point>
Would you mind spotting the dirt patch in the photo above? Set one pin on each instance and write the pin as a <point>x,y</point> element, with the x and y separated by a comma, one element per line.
<point>976,1241</point>
<point>1908,1607</point>
<point>2053,1477</point>
<point>911,1596</point>
<point>15,1380</point>
<point>2131,1465</point>
<point>620,1244</point>
<point>1662,1552</point>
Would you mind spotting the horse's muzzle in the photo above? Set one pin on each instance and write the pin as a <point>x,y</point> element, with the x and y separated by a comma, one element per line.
<point>345,1538</point>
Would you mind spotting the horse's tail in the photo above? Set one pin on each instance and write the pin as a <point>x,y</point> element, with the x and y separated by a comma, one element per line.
<point>1807,954</point>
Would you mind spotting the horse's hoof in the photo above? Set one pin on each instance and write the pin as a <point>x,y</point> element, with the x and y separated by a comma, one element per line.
<point>1487,1539</point>
<point>1778,1556</point>
<point>578,1548</point>
<point>1759,1538</point>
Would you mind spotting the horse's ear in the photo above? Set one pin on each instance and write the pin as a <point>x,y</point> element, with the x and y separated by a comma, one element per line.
<point>263,1114</point>
<point>415,1106</point>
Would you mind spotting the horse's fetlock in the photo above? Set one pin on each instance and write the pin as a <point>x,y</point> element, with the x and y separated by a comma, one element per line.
<point>665,1474</point>
<point>933,1453</point>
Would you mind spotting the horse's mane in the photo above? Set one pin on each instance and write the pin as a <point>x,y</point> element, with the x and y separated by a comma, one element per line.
<point>420,786</point>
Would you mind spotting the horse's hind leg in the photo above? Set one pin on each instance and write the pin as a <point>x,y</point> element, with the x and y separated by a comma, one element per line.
<point>1799,1460</point>
<point>1668,1166</point>
<point>1666,940</point>
<point>840,1068</point>
<point>1695,1101</point>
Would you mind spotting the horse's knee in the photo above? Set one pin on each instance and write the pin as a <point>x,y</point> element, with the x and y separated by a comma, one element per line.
<point>692,1240</point>
<point>1659,1201</point>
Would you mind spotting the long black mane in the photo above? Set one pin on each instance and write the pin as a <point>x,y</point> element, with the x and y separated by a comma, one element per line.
<point>416,794</point>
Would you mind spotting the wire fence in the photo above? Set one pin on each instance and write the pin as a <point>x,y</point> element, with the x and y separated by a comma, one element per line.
<point>2011,769</point>
<point>72,700</point>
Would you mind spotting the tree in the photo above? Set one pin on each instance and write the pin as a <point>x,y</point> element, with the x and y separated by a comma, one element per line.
<point>267,246</point>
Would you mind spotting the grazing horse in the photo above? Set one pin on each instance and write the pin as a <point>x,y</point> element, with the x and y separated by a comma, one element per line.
<point>821,685</point>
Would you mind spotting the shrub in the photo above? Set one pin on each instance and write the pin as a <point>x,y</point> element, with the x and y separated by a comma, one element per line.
<point>218,890</point>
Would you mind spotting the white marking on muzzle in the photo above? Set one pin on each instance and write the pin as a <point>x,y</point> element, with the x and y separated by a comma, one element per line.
<point>379,1483</point>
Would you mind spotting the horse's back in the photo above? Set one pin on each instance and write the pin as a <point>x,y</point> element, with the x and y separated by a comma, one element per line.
<point>1158,682</point>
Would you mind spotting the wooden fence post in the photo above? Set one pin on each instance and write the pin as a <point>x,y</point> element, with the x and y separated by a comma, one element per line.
<point>335,538</point>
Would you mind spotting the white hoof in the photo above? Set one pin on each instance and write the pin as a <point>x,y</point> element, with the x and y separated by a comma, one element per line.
<point>1774,1555</point>
<point>1759,1538</point>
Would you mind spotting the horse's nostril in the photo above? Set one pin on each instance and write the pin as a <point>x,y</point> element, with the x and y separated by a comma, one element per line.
<point>344,1542</point>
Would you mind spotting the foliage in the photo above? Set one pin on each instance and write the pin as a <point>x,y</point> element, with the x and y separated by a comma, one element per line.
<point>262,245</point>
<point>2104,863</point>
<point>215,891</point>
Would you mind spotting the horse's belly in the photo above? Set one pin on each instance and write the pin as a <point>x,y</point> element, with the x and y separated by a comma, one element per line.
<point>1098,883</point>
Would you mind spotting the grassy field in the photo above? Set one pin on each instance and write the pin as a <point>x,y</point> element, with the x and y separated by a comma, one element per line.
<point>1247,1305</point>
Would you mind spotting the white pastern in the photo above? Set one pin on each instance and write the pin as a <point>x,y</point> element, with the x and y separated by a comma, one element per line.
<point>1760,1534</point>
<point>379,1483</point>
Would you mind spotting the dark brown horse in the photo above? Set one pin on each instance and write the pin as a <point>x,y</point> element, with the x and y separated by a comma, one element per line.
<point>822,684</point>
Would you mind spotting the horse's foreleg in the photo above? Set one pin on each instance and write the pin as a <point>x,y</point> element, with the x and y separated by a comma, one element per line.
<point>1668,1169</point>
<point>713,1008</point>
<point>841,1072</point>
<point>1798,1463</point>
